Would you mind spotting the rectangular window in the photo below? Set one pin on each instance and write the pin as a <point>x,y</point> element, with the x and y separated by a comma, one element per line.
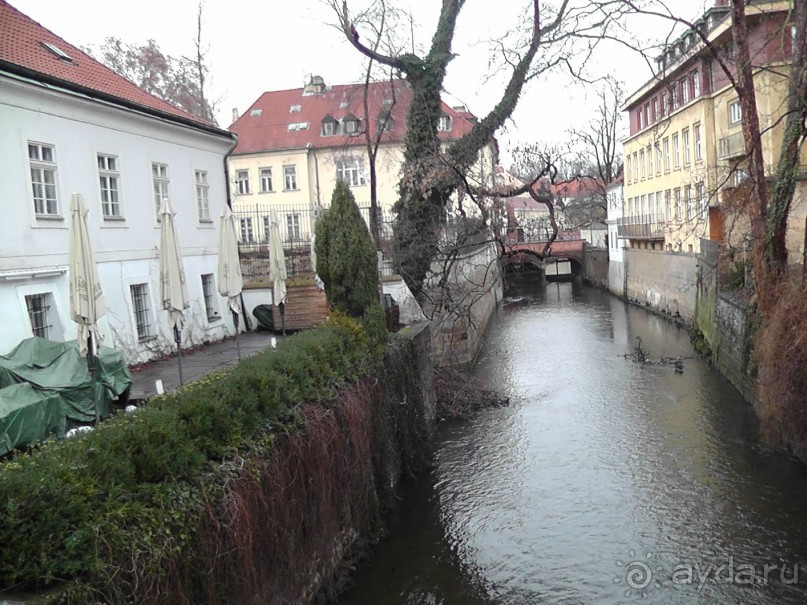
<point>689,212</point>
<point>38,312</point>
<point>266,180</point>
<point>293,227</point>
<point>674,96</point>
<point>649,161</point>
<point>700,197</point>
<point>290,178</point>
<point>142,311</point>
<point>202,195</point>
<point>696,129</point>
<point>640,118</point>
<point>266,228</point>
<point>444,124</point>
<point>666,143</point>
<point>635,166</point>
<point>696,84</point>
<point>42,161</point>
<point>159,177</point>
<point>659,206</point>
<point>676,151</point>
<point>247,234</point>
<point>686,146</point>
<point>350,171</point>
<point>109,181</point>
<point>242,180</point>
<point>647,114</point>
<point>628,171</point>
<point>641,162</point>
<point>658,158</point>
<point>665,104</point>
<point>209,295</point>
<point>677,201</point>
<point>684,91</point>
<point>735,113</point>
<point>668,205</point>
<point>656,115</point>
<point>328,128</point>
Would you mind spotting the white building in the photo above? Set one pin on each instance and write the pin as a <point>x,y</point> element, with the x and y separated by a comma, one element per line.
<point>68,124</point>
<point>616,268</point>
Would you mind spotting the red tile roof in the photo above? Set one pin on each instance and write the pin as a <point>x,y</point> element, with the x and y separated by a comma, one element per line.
<point>22,52</point>
<point>265,125</point>
<point>580,187</point>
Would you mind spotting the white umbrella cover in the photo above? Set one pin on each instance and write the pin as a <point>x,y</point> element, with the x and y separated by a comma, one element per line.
<point>277,261</point>
<point>229,274</point>
<point>86,296</point>
<point>173,289</point>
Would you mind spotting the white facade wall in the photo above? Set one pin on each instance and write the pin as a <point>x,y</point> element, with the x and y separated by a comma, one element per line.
<point>615,212</point>
<point>34,250</point>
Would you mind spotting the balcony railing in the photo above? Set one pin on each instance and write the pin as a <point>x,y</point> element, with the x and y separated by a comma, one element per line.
<point>644,226</point>
<point>732,146</point>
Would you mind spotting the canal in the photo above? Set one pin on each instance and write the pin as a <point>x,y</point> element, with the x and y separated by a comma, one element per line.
<point>604,481</point>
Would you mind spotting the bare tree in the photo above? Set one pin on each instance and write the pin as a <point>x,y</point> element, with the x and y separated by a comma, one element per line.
<point>430,174</point>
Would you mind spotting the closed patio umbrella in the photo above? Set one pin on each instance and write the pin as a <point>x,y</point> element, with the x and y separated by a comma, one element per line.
<point>173,289</point>
<point>86,296</point>
<point>277,267</point>
<point>229,270</point>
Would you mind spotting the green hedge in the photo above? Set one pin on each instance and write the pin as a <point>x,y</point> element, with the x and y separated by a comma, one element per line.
<point>69,508</point>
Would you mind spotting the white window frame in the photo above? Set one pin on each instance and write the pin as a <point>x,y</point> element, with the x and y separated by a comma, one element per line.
<point>142,311</point>
<point>43,174</point>
<point>684,83</point>
<point>642,163</point>
<point>444,124</point>
<point>290,177</point>
<point>242,181</point>
<point>293,232</point>
<point>735,112</point>
<point>351,126</point>
<point>658,158</point>
<point>329,128</point>
<point>202,195</point>
<point>245,230</point>
<point>628,171</point>
<point>267,180</point>
<point>697,135</point>
<point>676,149</point>
<point>109,186</point>
<point>209,297</point>
<point>649,153</point>
<point>39,306</point>
<point>685,146</point>
<point>161,183</point>
<point>696,84</point>
<point>350,171</point>
<point>666,145</point>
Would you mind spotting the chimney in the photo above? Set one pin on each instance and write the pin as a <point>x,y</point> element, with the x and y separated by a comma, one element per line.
<point>315,86</point>
<point>235,114</point>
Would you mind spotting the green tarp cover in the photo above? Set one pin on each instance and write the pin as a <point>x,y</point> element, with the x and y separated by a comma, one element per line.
<point>28,416</point>
<point>58,367</point>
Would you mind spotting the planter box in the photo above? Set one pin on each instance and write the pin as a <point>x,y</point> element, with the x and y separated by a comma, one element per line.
<point>306,307</point>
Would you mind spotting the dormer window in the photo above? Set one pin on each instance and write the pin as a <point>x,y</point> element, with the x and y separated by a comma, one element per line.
<point>256,113</point>
<point>295,108</point>
<point>329,126</point>
<point>350,124</point>
<point>444,124</point>
<point>384,122</point>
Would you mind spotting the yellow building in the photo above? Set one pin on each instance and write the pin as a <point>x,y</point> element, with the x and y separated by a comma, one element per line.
<point>294,144</point>
<point>685,154</point>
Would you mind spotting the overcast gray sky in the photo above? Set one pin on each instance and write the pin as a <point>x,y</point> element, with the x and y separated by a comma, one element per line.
<point>255,46</point>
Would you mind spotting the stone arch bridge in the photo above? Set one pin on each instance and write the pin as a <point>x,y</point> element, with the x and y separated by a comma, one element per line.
<point>520,253</point>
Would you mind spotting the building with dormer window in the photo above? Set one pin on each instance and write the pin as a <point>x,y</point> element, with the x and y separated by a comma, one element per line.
<point>331,146</point>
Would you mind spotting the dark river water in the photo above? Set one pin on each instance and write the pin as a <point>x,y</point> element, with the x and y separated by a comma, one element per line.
<point>604,481</point>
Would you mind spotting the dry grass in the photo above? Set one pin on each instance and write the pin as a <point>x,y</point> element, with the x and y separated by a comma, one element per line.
<point>781,356</point>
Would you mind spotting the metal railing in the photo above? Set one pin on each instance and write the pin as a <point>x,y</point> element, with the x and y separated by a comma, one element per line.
<point>297,225</point>
<point>644,226</point>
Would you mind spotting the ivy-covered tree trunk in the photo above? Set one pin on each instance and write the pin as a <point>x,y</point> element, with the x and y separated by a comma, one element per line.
<point>429,175</point>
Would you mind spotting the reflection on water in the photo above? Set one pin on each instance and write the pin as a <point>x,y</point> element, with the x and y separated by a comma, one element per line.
<point>603,482</point>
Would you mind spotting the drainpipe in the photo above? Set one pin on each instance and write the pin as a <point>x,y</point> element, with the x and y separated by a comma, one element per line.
<point>227,170</point>
<point>308,149</point>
